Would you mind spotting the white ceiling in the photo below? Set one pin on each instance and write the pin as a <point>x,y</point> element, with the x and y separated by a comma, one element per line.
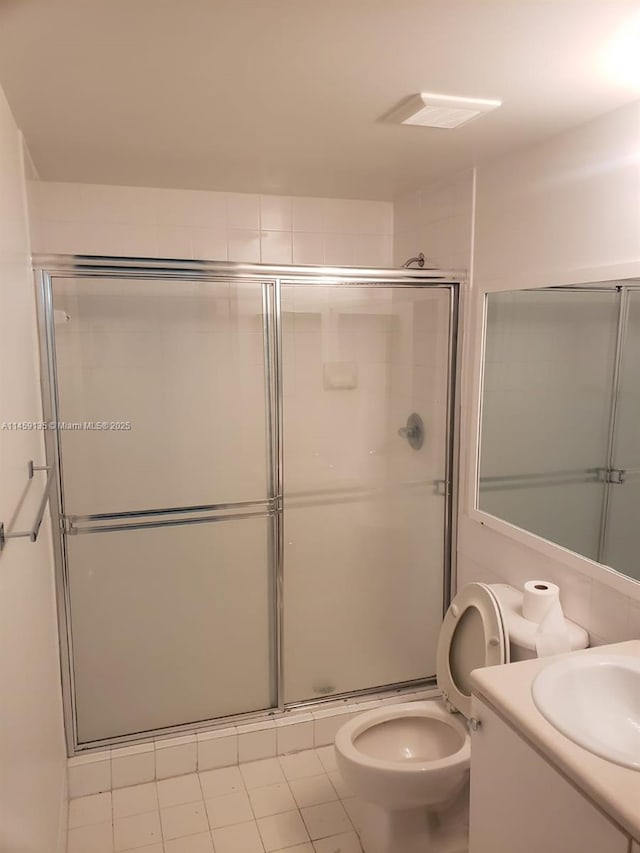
<point>286,96</point>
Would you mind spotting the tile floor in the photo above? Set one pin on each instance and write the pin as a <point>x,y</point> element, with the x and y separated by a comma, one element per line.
<point>295,803</point>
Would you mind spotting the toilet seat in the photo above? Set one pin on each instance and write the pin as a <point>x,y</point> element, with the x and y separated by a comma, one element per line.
<point>472,636</point>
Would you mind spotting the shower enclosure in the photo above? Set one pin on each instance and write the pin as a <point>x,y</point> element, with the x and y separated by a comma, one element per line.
<point>244,526</point>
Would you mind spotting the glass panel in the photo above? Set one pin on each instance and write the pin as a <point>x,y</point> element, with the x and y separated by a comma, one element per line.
<point>155,614</point>
<point>364,527</point>
<point>623,530</point>
<point>549,362</point>
<point>183,363</point>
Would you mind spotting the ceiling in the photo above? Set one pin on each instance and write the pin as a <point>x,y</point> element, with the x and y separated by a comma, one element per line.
<point>287,96</point>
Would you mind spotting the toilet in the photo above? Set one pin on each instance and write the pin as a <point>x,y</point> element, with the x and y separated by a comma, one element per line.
<point>409,763</point>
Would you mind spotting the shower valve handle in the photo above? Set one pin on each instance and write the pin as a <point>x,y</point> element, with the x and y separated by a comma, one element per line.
<point>413,431</point>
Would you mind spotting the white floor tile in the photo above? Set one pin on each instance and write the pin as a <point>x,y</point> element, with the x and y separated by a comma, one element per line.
<point>136,831</point>
<point>353,807</point>
<point>185,819</point>
<point>148,848</point>
<point>229,809</point>
<point>135,800</point>
<point>96,838</point>
<point>256,774</point>
<point>299,848</point>
<point>327,756</point>
<point>225,780</point>
<point>347,842</point>
<point>301,764</point>
<point>313,790</point>
<point>180,789</point>
<point>326,819</point>
<point>340,785</point>
<point>272,799</point>
<point>200,843</point>
<point>96,808</point>
<point>282,830</point>
<point>241,838</point>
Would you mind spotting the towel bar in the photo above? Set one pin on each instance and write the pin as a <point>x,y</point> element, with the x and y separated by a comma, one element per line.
<point>32,534</point>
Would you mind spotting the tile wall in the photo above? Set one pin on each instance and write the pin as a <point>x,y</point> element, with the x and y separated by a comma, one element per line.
<point>143,222</point>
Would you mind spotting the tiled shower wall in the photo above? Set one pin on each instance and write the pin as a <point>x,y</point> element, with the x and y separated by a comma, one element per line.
<point>142,222</point>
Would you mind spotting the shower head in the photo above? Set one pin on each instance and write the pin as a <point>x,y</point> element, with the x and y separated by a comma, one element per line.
<point>419,260</point>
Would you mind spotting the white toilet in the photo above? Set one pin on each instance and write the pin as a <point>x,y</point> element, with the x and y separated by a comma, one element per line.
<point>409,763</point>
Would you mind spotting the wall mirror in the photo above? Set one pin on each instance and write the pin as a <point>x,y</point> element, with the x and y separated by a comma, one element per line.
<point>560,418</point>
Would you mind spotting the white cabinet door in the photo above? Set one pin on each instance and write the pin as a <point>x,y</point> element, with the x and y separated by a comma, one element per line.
<point>520,803</point>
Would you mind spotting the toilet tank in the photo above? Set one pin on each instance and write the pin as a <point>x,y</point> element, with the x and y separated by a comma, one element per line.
<point>521,631</point>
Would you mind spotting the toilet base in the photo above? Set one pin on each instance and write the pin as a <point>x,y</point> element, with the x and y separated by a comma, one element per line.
<point>443,829</point>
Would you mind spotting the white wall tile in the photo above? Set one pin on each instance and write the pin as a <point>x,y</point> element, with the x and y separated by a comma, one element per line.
<point>308,248</point>
<point>293,735</point>
<point>243,211</point>
<point>339,250</point>
<point>132,765</point>
<point>133,221</point>
<point>174,241</point>
<point>209,244</point>
<point>326,724</point>
<point>309,214</point>
<point>176,756</point>
<point>188,208</point>
<point>256,741</point>
<point>243,246</point>
<point>88,777</point>
<point>276,247</point>
<point>276,213</point>
<point>217,749</point>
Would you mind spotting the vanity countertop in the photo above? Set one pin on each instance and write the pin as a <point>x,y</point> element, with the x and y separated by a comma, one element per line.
<point>615,789</point>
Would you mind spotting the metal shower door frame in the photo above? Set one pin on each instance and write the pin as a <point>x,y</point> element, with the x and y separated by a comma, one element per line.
<point>46,268</point>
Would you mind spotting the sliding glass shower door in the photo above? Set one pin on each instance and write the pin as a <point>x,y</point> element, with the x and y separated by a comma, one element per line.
<point>164,391</point>
<point>365,511</point>
<point>254,487</point>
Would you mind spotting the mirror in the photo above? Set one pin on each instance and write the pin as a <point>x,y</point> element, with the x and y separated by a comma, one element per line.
<point>560,425</point>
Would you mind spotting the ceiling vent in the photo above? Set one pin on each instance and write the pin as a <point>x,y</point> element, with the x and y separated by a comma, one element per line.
<point>427,110</point>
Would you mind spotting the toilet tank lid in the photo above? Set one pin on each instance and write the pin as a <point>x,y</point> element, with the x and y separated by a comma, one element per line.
<point>521,631</point>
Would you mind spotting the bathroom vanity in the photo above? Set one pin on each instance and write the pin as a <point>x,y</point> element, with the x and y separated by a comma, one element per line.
<point>533,789</point>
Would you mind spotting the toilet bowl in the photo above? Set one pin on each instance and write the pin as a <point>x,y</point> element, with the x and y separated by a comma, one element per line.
<point>409,763</point>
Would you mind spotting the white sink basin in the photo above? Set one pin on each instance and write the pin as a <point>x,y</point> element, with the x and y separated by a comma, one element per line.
<point>595,701</point>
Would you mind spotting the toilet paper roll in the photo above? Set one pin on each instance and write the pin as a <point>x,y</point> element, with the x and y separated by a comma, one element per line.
<point>538,598</point>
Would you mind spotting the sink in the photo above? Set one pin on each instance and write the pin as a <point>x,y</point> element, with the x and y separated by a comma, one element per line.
<point>594,700</point>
